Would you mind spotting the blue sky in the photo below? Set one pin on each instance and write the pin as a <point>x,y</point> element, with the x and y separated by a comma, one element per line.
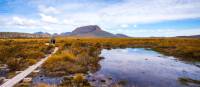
<point>138,18</point>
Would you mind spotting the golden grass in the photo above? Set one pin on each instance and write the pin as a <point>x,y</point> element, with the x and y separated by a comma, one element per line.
<point>21,53</point>
<point>183,48</point>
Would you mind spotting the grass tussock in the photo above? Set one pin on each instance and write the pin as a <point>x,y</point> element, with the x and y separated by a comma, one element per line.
<point>80,55</point>
<point>18,54</point>
<point>75,58</point>
<point>186,49</point>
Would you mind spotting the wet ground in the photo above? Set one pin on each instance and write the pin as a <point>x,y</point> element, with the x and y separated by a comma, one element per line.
<point>144,68</point>
<point>137,67</point>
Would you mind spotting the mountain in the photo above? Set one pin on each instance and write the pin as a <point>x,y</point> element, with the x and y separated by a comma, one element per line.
<point>121,35</point>
<point>91,31</point>
<point>192,36</point>
<point>55,34</point>
<point>42,33</point>
<point>21,35</point>
<point>65,34</point>
<point>84,31</point>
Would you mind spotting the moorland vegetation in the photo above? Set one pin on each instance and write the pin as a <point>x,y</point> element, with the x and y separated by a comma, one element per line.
<point>18,54</point>
<point>81,55</point>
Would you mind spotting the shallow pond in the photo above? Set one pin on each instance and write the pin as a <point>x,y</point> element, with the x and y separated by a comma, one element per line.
<point>146,68</point>
<point>48,80</point>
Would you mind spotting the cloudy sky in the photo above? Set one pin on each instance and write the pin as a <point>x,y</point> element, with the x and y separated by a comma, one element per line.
<point>140,18</point>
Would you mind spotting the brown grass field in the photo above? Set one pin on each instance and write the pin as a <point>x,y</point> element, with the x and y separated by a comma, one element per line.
<point>80,55</point>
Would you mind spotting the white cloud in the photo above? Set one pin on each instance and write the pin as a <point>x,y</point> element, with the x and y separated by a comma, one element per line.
<point>48,19</point>
<point>68,15</point>
<point>69,22</point>
<point>17,20</point>
<point>148,11</point>
<point>124,25</point>
<point>48,10</point>
<point>22,21</point>
<point>128,12</point>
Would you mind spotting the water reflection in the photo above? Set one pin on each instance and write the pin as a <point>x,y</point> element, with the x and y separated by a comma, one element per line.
<point>47,80</point>
<point>145,68</point>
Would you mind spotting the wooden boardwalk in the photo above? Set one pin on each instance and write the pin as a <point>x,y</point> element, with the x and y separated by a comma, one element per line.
<point>11,82</point>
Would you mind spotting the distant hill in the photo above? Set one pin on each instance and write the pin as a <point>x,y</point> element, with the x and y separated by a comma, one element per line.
<point>42,33</point>
<point>21,35</point>
<point>84,31</point>
<point>55,34</point>
<point>121,35</point>
<point>91,31</point>
<point>65,34</point>
<point>192,36</point>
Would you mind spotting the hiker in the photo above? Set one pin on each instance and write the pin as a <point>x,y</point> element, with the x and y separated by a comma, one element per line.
<point>53,41</point>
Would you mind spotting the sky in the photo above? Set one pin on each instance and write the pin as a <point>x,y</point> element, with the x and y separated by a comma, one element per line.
<point>137,18</point>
